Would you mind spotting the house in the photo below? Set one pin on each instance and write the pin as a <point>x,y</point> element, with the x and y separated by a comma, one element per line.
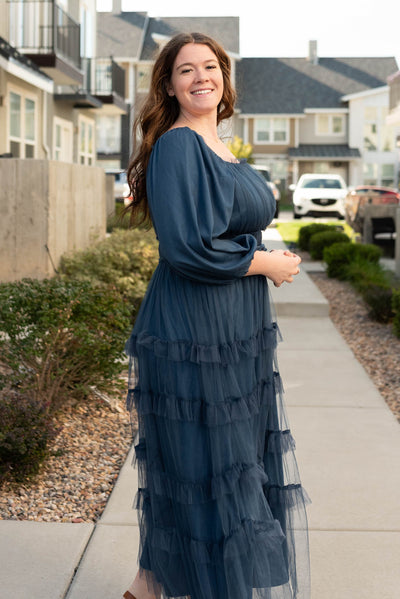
<point>133,40</point>
<point>51,85</point>
<point>312,115</point>
<point>393,118</point>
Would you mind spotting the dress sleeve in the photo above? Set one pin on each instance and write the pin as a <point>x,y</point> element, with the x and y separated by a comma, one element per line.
<point>191,197</point>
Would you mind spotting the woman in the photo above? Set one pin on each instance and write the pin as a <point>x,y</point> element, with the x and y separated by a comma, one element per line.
<point>218,486</point>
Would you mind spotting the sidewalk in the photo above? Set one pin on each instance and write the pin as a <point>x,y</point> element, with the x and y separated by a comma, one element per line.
<point>348,449</point>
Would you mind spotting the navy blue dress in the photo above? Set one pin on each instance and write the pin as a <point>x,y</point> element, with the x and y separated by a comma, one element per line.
<point>220,500</point>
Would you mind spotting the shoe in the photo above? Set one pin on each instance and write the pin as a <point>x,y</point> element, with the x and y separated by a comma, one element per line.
<point>128,595</point>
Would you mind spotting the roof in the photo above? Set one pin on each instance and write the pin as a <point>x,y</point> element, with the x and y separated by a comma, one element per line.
<point>289,85</point>
<point>129,34</point>
<point>330,151</point>
<point>120,35</point>
<point>224,30</point>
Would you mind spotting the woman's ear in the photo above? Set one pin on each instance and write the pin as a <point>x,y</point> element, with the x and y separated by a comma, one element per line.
<point>170,90</point>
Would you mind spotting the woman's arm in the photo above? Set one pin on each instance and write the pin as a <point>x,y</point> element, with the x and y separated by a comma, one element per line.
<point>279,265</point>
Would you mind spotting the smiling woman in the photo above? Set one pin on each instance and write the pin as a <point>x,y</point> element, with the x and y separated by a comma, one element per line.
<point>222,509</point>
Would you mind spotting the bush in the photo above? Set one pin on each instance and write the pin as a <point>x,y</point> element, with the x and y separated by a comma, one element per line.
<point>125,260</point>
<point>339,255</point>
<point>305,234</point>
<point>319,241</point>
<point>60,338</point>
<point>26,431</point>
<point>363,274</point>
<point>379,300</point>
<point>396,311</point>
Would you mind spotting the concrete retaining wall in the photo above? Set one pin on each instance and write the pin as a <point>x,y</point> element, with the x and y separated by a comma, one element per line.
<point>47,204</point>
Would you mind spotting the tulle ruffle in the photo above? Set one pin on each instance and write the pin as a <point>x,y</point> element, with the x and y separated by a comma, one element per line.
<point>221,506</point>
<point>187,351</point>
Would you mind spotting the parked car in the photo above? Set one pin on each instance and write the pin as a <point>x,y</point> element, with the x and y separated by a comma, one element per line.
<point>319,195</point>
<point>362,195</point>
<point>121,187</point>
<point>264,172</point>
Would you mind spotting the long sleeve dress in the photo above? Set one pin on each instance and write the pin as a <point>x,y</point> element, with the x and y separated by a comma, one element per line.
<point>222,510</point>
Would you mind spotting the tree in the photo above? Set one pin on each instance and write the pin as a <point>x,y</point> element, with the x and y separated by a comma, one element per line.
<point>240,149</point>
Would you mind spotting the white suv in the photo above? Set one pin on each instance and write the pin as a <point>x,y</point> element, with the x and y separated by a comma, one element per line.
<point>319,195</point>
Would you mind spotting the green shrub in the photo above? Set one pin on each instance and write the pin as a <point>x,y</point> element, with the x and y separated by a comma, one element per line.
<point>339,255</point>
<point>60,338</point>
<point>125,260</point>
<point>379,300</point>
<point>319,241</point>
<point>25,434</point>
<point>306,232</point>
<point>396,311</point>
<point>363,274</point>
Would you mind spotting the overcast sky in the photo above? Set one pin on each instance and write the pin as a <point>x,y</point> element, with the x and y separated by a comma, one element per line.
<point>284,27</point>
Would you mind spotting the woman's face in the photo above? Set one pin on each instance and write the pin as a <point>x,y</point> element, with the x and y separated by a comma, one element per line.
<point>196,80</point>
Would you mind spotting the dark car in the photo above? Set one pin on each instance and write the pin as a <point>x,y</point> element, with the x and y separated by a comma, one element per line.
<point>363,195</point>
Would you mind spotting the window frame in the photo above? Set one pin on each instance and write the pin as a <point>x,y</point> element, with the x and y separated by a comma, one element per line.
<point>331,116</point>
<point>85,157</point>
<point>22,139</point>
<point>270,130</point>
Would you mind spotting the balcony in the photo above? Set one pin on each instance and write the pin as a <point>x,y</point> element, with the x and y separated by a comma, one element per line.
<point>103,87</point>
<point>45,33</point>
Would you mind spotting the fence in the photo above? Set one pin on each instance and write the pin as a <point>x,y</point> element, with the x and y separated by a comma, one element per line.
<point>47,208</point>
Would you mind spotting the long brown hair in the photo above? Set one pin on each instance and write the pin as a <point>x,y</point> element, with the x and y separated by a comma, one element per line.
<point>161,110</point>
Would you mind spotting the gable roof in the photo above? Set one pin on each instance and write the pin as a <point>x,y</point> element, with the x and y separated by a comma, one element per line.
<point>224,30</point>
<point>120,35</point>
<point>289,85</point>
<point>129,34</point>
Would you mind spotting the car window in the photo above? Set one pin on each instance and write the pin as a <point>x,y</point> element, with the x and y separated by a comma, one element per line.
<point>321,184</point>
<point>265,174</point>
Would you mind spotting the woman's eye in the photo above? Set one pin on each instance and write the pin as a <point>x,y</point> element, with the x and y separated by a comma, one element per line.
<point>211,66</point>
<point>184,71</point>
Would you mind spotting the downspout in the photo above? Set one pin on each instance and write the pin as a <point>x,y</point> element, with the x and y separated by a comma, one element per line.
<point>44,125</point>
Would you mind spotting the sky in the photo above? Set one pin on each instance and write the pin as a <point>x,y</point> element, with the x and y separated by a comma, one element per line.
<point>284,27</point>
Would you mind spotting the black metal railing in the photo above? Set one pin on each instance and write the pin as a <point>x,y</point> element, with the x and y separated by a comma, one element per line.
<point>103,78</point>
<point>43,27</point>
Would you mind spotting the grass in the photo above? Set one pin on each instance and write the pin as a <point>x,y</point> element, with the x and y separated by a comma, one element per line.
<point>289,231</point>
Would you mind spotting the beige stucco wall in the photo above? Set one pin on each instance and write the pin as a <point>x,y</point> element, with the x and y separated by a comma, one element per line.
<point>4,19</point>
<point>48,203</point>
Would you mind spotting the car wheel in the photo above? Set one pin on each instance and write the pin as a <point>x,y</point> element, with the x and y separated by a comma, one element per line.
<point>276,211</point>
<point>295,215</point>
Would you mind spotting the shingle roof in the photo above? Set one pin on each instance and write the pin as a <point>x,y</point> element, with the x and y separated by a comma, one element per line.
<point>225,30</point>
<point>120,35</point>
<point>330,151</point>
<point>289,85</point>
<point>129,34</point>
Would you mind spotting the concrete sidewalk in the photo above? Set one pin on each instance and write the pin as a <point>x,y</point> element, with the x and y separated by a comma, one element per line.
<point>348,449</point>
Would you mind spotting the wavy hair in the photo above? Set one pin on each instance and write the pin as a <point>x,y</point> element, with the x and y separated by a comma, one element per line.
<point>160,111</point>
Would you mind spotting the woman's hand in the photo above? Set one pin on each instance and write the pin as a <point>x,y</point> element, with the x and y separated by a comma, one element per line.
<point>279,265</point>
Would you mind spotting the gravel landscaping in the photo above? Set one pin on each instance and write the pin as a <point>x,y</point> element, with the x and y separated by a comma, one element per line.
<point>76,481</point>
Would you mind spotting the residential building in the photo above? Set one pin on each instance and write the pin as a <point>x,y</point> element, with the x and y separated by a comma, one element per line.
<point>50,83</point>
<point>304,115</point>
<point>134,43</point>
<point>393,118</point>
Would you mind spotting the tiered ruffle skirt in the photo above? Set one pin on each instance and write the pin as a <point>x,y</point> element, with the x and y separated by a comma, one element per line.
<point>221,507</point>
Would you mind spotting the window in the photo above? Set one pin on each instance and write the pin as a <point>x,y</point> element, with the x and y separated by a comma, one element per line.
<point>370,137</point>
<point>377,134</point>
<point>22,125</point>
<point>387,133</point>
<point>329,124</point>
<point>86,141</point>
<point>387,175</point>
<point>108,134</point>
<point>62,140</point>
<point>370,172</point>
<point>271,131</point>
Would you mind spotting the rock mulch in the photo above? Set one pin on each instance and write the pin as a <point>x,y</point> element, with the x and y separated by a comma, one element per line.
<point>374,344</point>
<point>77,480</point>
<point>75,483</point>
